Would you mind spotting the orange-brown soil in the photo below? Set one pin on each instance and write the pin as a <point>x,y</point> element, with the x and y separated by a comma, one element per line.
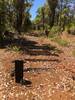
<point>49,67</point>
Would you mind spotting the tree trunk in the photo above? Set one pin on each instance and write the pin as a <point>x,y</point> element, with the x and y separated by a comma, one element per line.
<point>51,18</point>
<point>20,15</point>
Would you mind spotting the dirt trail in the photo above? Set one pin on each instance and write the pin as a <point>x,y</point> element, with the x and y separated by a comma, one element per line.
<point>2,77</point>
<point>50,68</point>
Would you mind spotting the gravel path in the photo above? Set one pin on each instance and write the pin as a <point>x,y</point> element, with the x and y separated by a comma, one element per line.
<point>2,79</point>
<point>55,83</point>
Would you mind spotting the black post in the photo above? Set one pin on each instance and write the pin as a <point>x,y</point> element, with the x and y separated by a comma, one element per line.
<point>18,70</point>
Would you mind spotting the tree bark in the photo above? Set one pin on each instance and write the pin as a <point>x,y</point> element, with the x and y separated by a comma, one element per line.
<point>51,18</point>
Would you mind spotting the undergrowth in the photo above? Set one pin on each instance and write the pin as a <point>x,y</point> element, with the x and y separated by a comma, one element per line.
<point>56,38</point>
<point>14,48</point>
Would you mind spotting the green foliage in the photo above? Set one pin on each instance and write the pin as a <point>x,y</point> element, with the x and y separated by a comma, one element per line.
<point>56,38</point>
<point>2,15</point>
<point>22,8</point>
<point>47,27</point>
<point>14,48</point>
<point>52,36</point>
<point>39,16</point>
<point>55,30</point>
<point>52,6</point>
<point>71,28</point>
<point>13,14</point>
<point>57,12</point>
<point>37,20</point>
<point>27,25</point>
<point>60,41</point>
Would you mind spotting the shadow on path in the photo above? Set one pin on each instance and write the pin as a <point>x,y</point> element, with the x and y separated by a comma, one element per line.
<point>38,69</point>
<point>31,47</point>
<point>42,60</point>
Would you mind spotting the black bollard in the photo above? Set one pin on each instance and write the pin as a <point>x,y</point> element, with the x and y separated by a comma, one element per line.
<point>18,71</point>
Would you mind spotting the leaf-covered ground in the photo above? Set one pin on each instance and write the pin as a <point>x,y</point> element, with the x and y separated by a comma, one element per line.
<point>49,67</point>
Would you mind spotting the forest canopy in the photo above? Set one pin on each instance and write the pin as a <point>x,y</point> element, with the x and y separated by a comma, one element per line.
<point>15,15</point>
<point>59,13</point>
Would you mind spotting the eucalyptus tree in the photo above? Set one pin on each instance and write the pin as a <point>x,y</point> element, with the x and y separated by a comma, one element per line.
<point>52,6</point>
<point>65,12</point>
<point>22,8</point>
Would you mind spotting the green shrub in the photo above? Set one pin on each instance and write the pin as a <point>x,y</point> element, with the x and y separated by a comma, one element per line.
<point>71,28</point>
<point>14,48</point>
<point>55,29</point>
<point>51,36</point>
<point>57,39</point>
<point>61,42</point>
<point>47,26</point>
